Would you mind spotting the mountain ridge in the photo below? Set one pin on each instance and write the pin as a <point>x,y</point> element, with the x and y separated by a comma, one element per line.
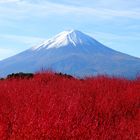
<point>75,53</point>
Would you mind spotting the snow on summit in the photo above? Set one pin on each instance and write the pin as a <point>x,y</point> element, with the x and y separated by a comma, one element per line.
<point>73,37</point>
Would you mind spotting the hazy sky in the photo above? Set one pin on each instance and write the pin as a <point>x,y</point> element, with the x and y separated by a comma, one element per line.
<point>25,23</point>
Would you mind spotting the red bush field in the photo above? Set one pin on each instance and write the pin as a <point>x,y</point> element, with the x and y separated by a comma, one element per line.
<point>53,107</point>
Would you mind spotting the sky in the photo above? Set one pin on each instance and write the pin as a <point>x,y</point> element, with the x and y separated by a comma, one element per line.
<point>26,23</point>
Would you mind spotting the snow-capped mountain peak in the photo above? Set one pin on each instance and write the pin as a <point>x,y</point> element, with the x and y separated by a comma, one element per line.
<point>75,53</point>
<point>65,38</point>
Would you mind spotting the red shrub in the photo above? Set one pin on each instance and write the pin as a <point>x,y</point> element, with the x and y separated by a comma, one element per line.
<point>50,106</point>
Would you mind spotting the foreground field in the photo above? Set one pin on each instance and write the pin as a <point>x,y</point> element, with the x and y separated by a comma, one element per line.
<point>54,107</point>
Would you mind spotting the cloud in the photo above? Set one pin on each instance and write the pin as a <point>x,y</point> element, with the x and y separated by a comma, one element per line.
<point>115,37</point>
<point>29,9</point>
<point>26,40</point>
<point>8,1</point>
<point>6,52</point>
<point>107,4</point>
<point>46,8</point>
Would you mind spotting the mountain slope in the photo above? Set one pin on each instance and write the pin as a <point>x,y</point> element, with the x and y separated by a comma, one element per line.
<point>72,52</point>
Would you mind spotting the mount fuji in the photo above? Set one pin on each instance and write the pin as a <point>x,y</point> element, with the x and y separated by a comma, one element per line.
<point>72,52</point>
